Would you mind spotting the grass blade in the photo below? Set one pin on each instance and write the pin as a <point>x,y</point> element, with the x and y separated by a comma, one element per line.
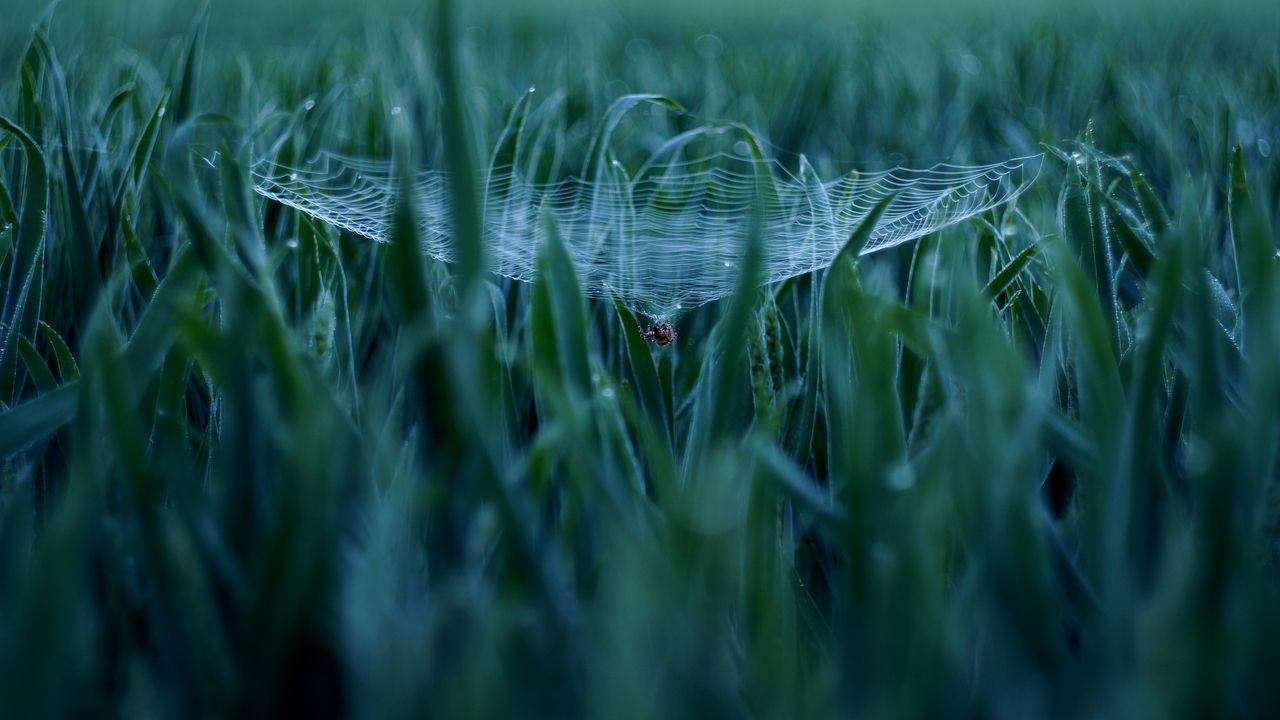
<point>1006,275</point>
<point>31,235</point>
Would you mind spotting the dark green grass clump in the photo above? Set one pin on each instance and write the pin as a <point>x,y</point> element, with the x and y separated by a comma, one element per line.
<point>250,465</point>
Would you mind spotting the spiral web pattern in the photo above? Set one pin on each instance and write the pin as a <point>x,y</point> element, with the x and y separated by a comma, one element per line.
<point>668,238</point>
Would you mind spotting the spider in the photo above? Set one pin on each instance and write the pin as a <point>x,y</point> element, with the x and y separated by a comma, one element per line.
<point>660,334</point>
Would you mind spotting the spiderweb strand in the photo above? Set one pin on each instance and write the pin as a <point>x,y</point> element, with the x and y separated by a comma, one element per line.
<point>669,238</point>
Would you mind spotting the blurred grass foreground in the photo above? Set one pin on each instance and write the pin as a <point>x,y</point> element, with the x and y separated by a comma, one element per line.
<point>253,465</point>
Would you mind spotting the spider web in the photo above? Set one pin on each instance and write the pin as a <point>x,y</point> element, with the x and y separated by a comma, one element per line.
<point>668,237</point>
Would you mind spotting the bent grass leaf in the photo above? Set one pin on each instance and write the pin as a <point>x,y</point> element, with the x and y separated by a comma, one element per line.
<point>37,368</point>
<point>1006,275</point>
<point>599,147</point>
<point>67,367</point>
<point>798,486</point>
<point>28,423</point>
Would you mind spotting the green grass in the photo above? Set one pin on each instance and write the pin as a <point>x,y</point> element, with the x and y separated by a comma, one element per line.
<point>1027,467</point>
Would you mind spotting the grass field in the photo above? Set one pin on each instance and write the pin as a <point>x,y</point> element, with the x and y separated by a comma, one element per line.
<point>252,465</point>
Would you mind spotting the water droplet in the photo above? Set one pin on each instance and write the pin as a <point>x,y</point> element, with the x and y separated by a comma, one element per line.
<point>395,110</point>
<point>1198,455</point>
<point>970,63</point>
<point>160,112</point>
<point>308,105</point>
<point>901,477</point>
<point>742,148</point>
<point>291,243</point>
<point>533,88</point>
<point>607,393</point>
<point>679,306</point>
<point>728,264</point>
<point>1264,147</point>
<point>293,176</point>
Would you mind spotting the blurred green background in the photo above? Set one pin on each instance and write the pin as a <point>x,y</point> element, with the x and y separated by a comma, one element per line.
<point>253,465</point>
<point>246,24</point>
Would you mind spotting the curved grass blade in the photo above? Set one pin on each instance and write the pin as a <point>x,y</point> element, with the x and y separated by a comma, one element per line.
<point>37,368</point>
<point>67,367</point>
<point>1006,275</point>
